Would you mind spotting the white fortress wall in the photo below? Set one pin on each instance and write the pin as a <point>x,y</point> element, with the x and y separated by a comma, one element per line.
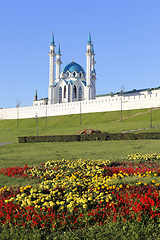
<point>146,99</point>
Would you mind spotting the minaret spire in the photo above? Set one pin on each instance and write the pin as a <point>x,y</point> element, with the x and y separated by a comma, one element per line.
<point>89,38</point>
<point>58,50</point>
<point>52,40</point>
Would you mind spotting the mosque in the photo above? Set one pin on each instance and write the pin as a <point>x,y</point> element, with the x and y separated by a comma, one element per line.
<point>73,91</point>
<point>72,83</point>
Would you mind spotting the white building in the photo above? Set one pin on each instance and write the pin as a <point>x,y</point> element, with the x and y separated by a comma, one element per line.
<point>72,83</point>
<point>72,91</point>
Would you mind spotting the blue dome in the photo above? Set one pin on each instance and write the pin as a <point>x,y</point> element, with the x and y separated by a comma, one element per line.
<point>73,66</point>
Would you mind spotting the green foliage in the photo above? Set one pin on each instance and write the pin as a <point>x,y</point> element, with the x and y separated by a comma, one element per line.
<point>90,137</point>
<point>135,230</point>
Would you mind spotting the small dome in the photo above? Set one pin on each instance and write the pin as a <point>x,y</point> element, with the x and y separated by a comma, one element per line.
<point>73,66</point>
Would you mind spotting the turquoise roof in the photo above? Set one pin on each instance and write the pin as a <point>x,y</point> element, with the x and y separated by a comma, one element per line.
<point>59,51</point>
<point>89,39</point>
<point>52,40</point>
<point>73,66</point>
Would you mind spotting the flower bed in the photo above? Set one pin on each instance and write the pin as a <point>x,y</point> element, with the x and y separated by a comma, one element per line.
<point>88,131</point>
<point>77,194</point>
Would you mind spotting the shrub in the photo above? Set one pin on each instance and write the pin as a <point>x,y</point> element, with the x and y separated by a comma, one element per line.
<point>90,137</point>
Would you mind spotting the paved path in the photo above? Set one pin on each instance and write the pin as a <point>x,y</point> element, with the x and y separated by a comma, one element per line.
<point>136,115</point>
<point>140,129</point>
<point>4,143</point>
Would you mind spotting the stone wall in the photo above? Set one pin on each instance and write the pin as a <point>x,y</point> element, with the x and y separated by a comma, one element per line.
<point>146,99</point>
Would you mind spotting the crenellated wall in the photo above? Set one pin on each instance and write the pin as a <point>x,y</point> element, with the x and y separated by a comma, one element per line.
<point>145,99</point>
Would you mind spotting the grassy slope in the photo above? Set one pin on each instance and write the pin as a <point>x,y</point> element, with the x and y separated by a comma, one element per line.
<point>70,124</point>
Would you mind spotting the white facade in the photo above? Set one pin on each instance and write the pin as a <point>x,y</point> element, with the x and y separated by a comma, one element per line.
<point>73,91</point>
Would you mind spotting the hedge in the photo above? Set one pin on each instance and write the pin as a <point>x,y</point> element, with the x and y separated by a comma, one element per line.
<point>90,137</point>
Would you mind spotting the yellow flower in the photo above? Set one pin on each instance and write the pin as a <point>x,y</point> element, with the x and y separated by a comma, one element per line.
<point>51,203</point>
<point>90,198</point>
<point>84,205</point>
<point>85,200</point>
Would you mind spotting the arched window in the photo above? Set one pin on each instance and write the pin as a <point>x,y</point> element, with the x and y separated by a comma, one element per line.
<point>64,91</point>
<point>80,75</point>
<point>80,94</point>
<point>60,95</point>
<point>74,92</point>
<point>69,90</point>
<point>74,74</point>
<point>67,74</point>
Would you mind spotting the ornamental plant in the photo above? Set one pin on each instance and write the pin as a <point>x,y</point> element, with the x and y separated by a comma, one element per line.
<point>76,194</point>
<point>88,131</point>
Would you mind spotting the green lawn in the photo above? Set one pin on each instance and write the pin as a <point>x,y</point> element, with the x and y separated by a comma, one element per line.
<point>35,153</point>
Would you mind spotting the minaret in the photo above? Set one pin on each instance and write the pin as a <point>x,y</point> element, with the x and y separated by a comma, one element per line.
<point>51,71</point>
<point>88,67</point>
<point>58,62</point>
<point>93,90</point>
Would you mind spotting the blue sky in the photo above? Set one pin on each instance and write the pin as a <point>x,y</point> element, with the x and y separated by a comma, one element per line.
<point>125,34</point>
